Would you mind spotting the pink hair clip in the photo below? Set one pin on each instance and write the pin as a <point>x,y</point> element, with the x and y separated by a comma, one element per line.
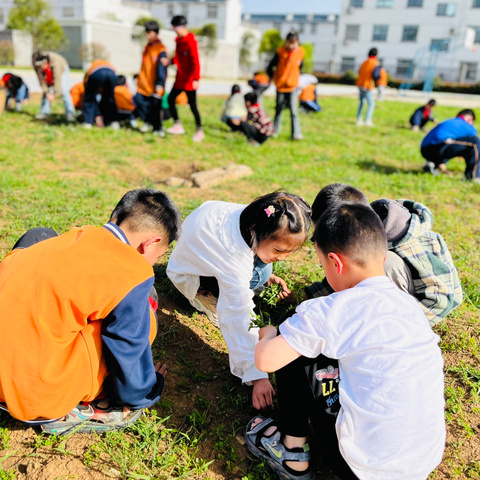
<point>270,210</point>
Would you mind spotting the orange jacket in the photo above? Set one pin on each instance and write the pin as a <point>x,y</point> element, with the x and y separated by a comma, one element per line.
<point>147,78</point>
<point>262,79</point>
<point>365,74</point>
<point>57,294</point>
<point>97,65</point>
<point>383,79</point>
<point>287,72</point>
<point>308,94</point>
<point>77,92</point>
<point>124,98</point>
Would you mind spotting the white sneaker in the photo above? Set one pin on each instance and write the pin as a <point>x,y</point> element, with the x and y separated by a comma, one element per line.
<point>115,126</point>
<point>369,123</point>
<point>359,122</point>
<point>159,133</point>
<point>70,118</point>
<point>41,116</point>
<point>145,128</point>
<point>429,167</point>
<point>134,123</point>
<point>87,126</point>
<point>18,107</point>
<point>298,136</point>
<point>206,303</point>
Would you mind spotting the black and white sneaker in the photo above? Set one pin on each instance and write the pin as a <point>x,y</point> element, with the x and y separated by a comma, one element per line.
<point>429,167</point>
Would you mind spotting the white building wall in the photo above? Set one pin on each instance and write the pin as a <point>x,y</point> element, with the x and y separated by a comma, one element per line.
<point>393,50</point>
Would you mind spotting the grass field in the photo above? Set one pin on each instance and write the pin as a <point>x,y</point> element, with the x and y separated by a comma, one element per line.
<point>60,176</point>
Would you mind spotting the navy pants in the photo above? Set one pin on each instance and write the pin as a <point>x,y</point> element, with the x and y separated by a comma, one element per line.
<point>148,109</point>
<point>466,147</point>
<point>103,79</point>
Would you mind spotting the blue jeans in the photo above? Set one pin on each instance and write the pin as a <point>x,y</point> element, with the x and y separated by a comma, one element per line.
<point>20,95</point>
<point>290,100</point>
<point>45,108</point>
<point>103,79</point>
<point>261,273</point>
<point>366,96</point>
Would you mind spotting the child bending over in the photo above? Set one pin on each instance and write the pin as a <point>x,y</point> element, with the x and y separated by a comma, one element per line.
<point>422,115</point>
<point>418,260</point>
<point>390,423</point>
<point>230,248</point>
<point>79,302</point>
<point>261,126</point>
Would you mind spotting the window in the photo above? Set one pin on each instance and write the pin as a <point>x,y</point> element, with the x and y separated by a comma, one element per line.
<point>348,63</point>
<point>300,28</point>
<point>380,33</point>
<point>477,34</point>
<point>415,3</point>
<point>446,9</point>
<point>409,33</point>
<point>470,70</point>
<point>313,28</point>
<point>277,26</point>
<point>68,12</point>
<point>440,44</point>
<point>402,66</point>
<point>212,11</point>
<point>384,3</point>
<point>185,9</point>
<point>476,4</point>
<point>352,32</point>
<point>171,11</point>
<point>356,3</point>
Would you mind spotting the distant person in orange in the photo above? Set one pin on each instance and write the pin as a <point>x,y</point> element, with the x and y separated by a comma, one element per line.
<point>308,99</point>
<point>368,74</point>
<point>77,92</point>
<point>151,81</point>
<point>100,79</point>
<point>259,83</point>
<point>81,319</point>
<point>381,84</point>
<point>124,100</point>
<point>284,69</point>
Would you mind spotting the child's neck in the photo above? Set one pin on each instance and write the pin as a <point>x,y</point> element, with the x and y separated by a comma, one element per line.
<point>358,274</point>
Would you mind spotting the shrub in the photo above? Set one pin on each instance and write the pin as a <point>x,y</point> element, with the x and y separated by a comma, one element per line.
<point>6,52</point>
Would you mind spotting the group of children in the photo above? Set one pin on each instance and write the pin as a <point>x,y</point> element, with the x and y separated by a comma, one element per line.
<point>358,359</point>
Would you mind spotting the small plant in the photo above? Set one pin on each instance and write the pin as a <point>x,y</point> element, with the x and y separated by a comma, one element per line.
<point>4,438</point>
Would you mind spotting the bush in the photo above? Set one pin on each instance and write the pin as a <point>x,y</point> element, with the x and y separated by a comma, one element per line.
<point>6,52</point>
<point>93,51</point>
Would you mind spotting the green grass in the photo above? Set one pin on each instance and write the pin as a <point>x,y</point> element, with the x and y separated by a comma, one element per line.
<point>59,176</point>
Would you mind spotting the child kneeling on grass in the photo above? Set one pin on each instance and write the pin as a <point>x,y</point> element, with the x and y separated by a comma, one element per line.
<point>81,319</point>
<point>390,424</point>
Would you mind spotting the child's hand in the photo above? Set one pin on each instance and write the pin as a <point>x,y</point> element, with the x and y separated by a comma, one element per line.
<point>195,84</point>
<point>50,97</point>
<point>159,90</point>
<point>263,392</point>
<point>279,281</point>
<point>165,61</point>
<point>161,368</point>
<point>267,332</point>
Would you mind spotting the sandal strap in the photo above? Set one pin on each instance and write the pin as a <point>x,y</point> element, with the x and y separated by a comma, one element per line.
<point>277,450</point>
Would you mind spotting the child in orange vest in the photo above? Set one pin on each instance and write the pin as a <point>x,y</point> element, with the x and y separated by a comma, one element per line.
<point>124,100</point>
<point>88,324</point>
<point>151,81</point>
<point>308,99</point>
<point>368,74</point>
<point>259,83</point>
<point>284,69</point>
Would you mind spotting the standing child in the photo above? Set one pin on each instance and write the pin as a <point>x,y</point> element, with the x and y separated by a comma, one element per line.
<point>231,248</point>
<point>284,68</point>
<point>80,304</point>
<point>422,115</point>
<point>391,423</point>
<point>151,81</point>
<point>187,61</point>
<point>52,71</point>
<point>367,76</point>
<point>261,126</point>
<point>17,91</point>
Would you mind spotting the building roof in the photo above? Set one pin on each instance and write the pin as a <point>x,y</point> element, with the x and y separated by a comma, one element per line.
<point>290,17</point>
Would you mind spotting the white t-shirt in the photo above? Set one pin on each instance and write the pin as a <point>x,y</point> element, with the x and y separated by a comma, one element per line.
<point>211,245</point>
<point>391,423</point>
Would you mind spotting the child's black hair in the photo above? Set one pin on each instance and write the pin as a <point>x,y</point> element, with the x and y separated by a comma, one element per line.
<point>333,194</point>
<point>39,58</point>
<point>352,229</point>
<point>432,102</point>
<point>274,215</point>
<point>178,21</point>
<point>251,97</point>
<point>236,89</point>
<point>466,111</point>
<point>121,80</point>
<point>373,52</point>
<point>292,35</point>
<point>148,210</point>
<point>152,26</point>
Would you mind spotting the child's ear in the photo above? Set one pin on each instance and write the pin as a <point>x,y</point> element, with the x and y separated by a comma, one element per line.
<point>148,243</point>
<point>337,260</point>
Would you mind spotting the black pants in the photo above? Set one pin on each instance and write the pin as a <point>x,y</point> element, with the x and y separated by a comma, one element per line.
<point>148,109</point>
<point>33,236</point>
<point>308,390</point>
<point>104,80</point>
<point>250,131</point>
<point>466,147</point>
<point>192,101</point>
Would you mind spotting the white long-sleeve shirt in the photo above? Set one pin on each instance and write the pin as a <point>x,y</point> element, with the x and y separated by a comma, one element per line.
<point>211,245</point>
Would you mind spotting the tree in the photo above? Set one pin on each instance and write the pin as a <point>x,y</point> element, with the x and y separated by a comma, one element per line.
<point>271,40</point>
<point>308,58</point>
<point>139,27</point>
<point>93,51</point>
<point>246,47</point>
<point>35,17</point>
<point>207,40</point>
<point>6,52</point>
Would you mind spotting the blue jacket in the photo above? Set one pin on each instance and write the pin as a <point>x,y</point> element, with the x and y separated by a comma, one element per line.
<point>454,128</point>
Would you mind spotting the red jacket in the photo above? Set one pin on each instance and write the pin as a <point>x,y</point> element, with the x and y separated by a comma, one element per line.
<point>187,61</point>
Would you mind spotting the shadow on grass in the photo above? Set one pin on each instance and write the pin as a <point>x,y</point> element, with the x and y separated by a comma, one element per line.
<point>371,165</point>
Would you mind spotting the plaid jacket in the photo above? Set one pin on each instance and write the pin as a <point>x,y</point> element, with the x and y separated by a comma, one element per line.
<point>435,277</point>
